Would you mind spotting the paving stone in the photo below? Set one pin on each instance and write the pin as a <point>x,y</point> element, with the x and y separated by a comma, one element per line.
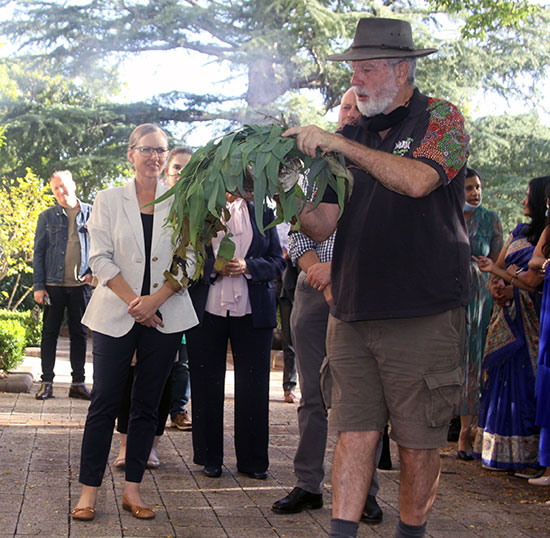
<point>8,521</point>
<point>43,528</point>
<point>40,450</point>
<point>200,532</point>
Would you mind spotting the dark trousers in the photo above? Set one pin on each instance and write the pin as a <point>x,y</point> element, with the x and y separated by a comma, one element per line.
<point>74,299</point>
<point>207,349</point>
<point>284,303</point>
<point>290,376</point>
<point>112,360</point>
<point>180,384</point>
<point>123,417</point>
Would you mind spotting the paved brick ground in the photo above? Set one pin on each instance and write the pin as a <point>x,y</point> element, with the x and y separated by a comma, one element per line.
<point>39,451</point>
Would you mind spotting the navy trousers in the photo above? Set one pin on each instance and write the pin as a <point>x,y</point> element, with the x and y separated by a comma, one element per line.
<point>155,352</point>
<point>251,348</point>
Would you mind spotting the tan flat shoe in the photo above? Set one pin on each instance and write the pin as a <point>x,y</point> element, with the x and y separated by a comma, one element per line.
<point>141,512</point>
<point>83,514</point>
<point>120,463</point>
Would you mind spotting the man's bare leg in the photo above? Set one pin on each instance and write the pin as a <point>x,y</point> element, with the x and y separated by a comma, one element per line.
<point>418,483</point>
<point>352,470</point>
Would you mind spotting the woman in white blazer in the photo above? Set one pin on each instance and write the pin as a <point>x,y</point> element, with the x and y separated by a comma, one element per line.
<point>132,310</point>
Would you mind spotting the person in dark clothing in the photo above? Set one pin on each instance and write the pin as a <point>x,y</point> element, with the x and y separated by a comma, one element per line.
<point>61,281</point>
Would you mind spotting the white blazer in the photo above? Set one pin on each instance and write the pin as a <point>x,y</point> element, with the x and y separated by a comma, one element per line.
<point>117,246</point>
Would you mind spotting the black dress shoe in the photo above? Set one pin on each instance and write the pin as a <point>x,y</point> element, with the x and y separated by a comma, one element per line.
<point>45,391</point>
<point>297,500</point>
<point>464,456</point>
<point>372,513</point>
<point>212,471</point>
<point>257,476</point>
<point>80,391</point>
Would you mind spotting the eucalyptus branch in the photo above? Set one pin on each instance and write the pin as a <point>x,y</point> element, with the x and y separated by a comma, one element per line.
<point>254,159</point>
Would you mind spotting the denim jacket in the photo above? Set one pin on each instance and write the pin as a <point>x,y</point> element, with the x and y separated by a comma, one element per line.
<point>50,244</point>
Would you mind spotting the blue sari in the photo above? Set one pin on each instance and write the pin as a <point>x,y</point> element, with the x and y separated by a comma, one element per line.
<point>507,437</point>
<point>542,387</point>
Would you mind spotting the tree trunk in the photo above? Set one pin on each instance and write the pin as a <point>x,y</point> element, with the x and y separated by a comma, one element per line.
<point>13,290</point>
<point>22,298</point>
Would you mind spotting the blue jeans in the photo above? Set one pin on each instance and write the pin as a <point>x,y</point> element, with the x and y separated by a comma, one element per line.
<point>181,388</point>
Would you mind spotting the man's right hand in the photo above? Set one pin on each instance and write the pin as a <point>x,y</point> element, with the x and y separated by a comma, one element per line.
<point>318,275</point>
<point>311,137</point>
<point>39,296</point>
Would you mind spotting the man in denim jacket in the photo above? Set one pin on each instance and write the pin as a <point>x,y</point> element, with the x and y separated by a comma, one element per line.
<point>62,280</point>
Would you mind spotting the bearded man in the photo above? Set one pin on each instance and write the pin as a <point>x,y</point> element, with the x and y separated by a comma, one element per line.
<point>399,276</point>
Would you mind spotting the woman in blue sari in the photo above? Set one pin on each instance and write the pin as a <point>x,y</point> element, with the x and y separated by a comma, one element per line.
<point>539,264</point>
<point>507,437</point>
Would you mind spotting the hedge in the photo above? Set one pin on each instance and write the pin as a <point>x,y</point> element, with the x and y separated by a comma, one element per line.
<point>30,320</point>
<point>12,343</point>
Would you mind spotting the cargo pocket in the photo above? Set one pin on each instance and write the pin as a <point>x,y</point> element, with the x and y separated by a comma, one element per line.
<point>326,383</point>
<point>444,395</point>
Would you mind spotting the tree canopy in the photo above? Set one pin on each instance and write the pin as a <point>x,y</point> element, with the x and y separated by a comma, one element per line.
<point>62,111</point>
<point>508,151</point>
<point>279,45</point>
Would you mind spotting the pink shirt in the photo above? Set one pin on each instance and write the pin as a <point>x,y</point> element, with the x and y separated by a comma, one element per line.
<point>230,295</point>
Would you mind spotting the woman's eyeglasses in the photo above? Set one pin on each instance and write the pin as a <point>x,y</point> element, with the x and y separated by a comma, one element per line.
<point>148,150</point>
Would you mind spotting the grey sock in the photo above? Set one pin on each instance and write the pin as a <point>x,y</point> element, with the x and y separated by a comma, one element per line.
<point>341,528</point>
<point>409,531</point>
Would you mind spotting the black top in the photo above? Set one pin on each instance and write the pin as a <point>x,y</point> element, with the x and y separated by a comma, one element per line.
<point>397,256</point>
<point>147,223</point>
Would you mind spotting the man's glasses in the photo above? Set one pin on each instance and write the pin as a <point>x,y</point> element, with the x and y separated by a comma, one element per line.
<point>148,150</point>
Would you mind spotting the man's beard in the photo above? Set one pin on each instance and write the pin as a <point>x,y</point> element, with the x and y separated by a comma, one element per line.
<point>380,101</point>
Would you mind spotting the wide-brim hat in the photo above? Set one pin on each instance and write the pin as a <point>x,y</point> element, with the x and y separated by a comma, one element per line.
<point>381,38</point>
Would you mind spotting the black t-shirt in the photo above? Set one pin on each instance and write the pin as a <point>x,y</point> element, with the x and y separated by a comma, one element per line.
<point>397,256</point>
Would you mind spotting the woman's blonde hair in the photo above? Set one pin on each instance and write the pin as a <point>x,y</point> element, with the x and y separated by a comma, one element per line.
<point>144,129</point>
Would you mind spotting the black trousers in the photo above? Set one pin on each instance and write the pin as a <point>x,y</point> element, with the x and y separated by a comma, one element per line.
<point>164,407</point>
<point>207,349</point>
<point>112,359</point>
<point>74,299</point>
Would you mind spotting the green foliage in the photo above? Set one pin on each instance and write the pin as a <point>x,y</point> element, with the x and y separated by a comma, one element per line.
<point>483,16</point>
<point>255,158</point>
<point>56,91</point>
<point>31,322</point>
<point>508,151</point>
<point>21,201</point>
<point>282,45</point>
<point>21,283</point>
<point>54,130</point>
<point>12,344</point>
